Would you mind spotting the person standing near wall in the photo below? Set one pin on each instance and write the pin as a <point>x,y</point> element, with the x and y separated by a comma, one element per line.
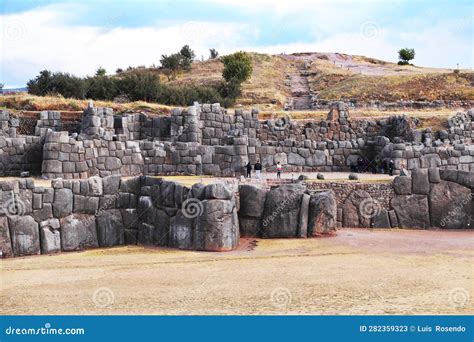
<point>279,169</point>
<point>258,169</point>
<point>391,166</point>
<point>249,170</point>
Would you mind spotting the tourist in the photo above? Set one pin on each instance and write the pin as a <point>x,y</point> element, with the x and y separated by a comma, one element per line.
<point>384,166</point>
<point>258,169</point>
<point>249,170</point>
<point>279,169</point>
<point>360,165</point>
<point>391,166</point>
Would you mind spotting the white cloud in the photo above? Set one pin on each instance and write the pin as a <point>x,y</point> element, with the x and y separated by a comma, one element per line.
<point>45,38</point>
<point>41,39</point>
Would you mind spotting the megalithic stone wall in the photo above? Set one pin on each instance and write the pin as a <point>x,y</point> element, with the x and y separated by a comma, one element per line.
<point>427,198</point>
<point>110,211</point>
<point>98,123</point>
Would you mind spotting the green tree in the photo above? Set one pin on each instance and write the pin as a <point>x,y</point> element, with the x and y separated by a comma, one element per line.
<point>187,53</point>
<point>101,88</point>
<point>237,67</point>
<point>171,63</point>
<point>213,54</point>
<point>100,72</point>
<point>405,56</point>
<point>57,83</point>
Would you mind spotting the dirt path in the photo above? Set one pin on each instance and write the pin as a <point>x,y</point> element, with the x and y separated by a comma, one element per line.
<point>356,272</point>
<point>300,91</point>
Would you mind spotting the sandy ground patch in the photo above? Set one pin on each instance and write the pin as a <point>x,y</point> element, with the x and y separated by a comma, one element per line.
<point>356,272</point>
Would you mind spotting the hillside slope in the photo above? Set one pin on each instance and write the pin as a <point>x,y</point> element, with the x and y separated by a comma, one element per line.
<point>279,80</point>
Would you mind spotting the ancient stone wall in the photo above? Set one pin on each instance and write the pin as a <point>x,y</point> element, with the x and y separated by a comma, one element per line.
<point>383,105</point>
<point>17,153</point>
<point>110,211</point>
<point>204,139</point>
<point>427,198</point>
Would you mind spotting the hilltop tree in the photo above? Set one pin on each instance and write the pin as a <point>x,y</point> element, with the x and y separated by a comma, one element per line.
<point>405,56</point>
<point>175,62</point>
<point>171,64</point>
<point>187,53</point>
<point>213,54</point>
<point>237,67</point>
<point>100,72</point>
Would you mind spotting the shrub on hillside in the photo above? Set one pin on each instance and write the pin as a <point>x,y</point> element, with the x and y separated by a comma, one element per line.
<point>405,56</point>
<point>57,83</point>
<point>135,87</point>
<point>237,67</point>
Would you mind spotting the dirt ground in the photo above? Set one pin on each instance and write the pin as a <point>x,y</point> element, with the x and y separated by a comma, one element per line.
<point>356,272</point>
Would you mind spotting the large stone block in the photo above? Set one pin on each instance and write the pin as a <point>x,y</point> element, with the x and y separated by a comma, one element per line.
<point>466,179</point>
<point>63,202</point>
<point>353,213</point>
<point>318,158</point>
<point>181,231</point>
<point>451,205</point>
<point>218,191</point>
<point>50,236</point>
<point>252,200</point>
<point>412,211</point>
<point>95,186</point>
<point>217,229</point>
<point>5,240</point>
<point>402,185</point>
<point>110,230</point>
<point>322,213</point>
<point>113,163</point>
<point>281,213</point>
<point>420,181</point>
<point>381,219</point>
<point>304,216</point>
<point>161,234</point>
<point>78,231</point>
<point>24,235</point>
<point>296,159</point>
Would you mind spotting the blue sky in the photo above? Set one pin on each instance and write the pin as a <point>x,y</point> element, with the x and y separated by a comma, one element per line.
<point>79,36</point>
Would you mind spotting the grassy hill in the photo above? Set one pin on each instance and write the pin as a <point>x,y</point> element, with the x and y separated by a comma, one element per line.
<point>333,76</point>
<point>276,79</point>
